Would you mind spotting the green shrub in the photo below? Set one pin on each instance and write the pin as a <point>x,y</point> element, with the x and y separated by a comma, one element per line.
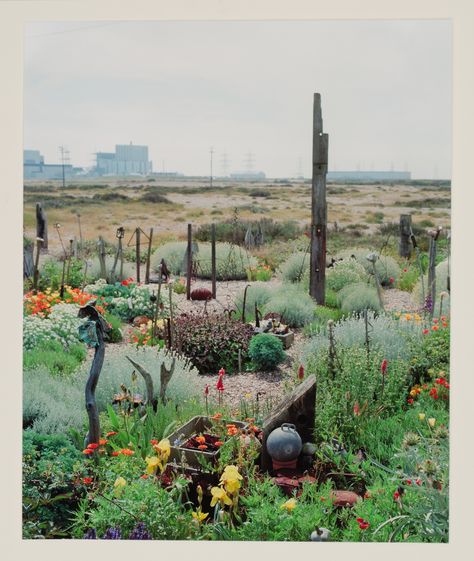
<point>330,298</point>
<point>51,271</point>
<point>115,335</point>
<point>94,272</point>
<point>55,358</point>
<point>153,197</point>
<point>266,351</point>
<point>173,253</point>
<point>358,297</point>
<point>322,315</point>
<point>294,268</point>
<point>409,276</point>
<point>212,341</point>
<point>258,293</point>
<point>295,306</point>
<point>345,272</point>
<point>386,267</point>
<point>441,286</point>
<point>50,467</point>
<point>431,354</point>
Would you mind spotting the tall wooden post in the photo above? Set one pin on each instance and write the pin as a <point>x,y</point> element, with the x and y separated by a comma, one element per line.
<point>213,260</point>
<point>103,270</point>
<point>432,270</point>
<point>148,257</point>
<point>137,251</point>
<point>189,262</point>
<point>42,227</point>
<point>317,275</point>
<point>405,231</point>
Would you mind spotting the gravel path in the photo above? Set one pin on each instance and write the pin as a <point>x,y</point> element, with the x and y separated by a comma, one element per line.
<point>399,301</point>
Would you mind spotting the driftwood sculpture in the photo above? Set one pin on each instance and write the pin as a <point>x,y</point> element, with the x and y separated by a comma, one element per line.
<point>42,226</point>
<point>165,376</point>
<point>92,332</point>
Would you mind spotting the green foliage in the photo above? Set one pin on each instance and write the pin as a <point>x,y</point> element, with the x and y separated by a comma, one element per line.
<point>295,306</point>
<point>94,272</point>
<point>50,466</point>
<point>266,351</point>
<point>162,511</point>
<point>441,272</point>
<point>258,293</point>
<point>212,341</point>
<point>115,335</point>
<point>294,268</point>
<point>322,315</point>
<point>396,339</point>
<point>55,358</point>
<point>355,380</point>
<point>51,271</point>
<point>231,260</point>
<point>430,354</point>
<point>343,273</point>
<point>386,266</point>
<point>409,276</point>
<point>358,297</point>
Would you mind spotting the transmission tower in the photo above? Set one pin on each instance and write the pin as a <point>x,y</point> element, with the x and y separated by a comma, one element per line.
<point>249,162</point>
<point>64,158</point>
<point>224,161</point>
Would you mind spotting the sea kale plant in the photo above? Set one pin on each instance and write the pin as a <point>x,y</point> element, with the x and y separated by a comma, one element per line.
<point>212,341</point>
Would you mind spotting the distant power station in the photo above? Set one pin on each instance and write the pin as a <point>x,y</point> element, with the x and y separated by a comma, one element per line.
<point>35,168</point>
<point>128,159</point>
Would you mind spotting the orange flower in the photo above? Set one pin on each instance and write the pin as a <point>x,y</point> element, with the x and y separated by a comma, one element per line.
<point>202,447</point>
<point>218,443</point>
<point>232,431</point>
<point>127,452</point>
<point>87,480</point>
<point>93,445</point>
<point>111,433</point>
<point>88,451</point>
<point>435,327</point>
<point>216,417</point>
<point>103,441</point>
<point>153,442</point>
<point>144,476</point>
<point>200,439</point>
<point>115,453</point>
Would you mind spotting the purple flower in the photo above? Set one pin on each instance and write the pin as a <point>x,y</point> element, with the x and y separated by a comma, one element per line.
<point>428,304</point>
<point>91,534</point>
<point>140,533</point>
<point>112,534</point>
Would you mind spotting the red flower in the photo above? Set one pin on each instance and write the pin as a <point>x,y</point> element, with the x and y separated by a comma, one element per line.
<point>396,496</point>
<point>408,481</point>
<point>144,476</point>
<point>127,452</point>
<point>111,433</point>
<point>356,409</point>
<point>435,327</point>
<point>92,446</point>
<point>410,401</point>
<point>206,390</point>
<point>220,383</point>
<point>115,453</point>
<point>153,442</point>
<point>88,451</point>
<point>218,443</point>
<point>301,372</point>
<point>383,366</point>
<point>103,441</point>
<point>87,480</point>
<point>405,270</point>
<point>391,280</point>
<point>221,372</point>
<point>363,524</point>
<point>435,320</point>
<point>418,481</point>
<point>202,447</point>
<point>426,331</point>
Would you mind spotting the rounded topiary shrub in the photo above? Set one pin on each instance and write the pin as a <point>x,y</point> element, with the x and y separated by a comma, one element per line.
<point>386,267</point>
<point>266,351</point>
<point>257,293</point>
<point>441,287</point>
<point>294,268</point>
<point>358,297</point>
<point>295,307</point>
<point>342,273</point>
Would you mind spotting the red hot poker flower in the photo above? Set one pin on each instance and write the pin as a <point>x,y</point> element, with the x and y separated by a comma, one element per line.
<point>206,390</point>
<point>383,366</point>
<point>220,383</point>
<point>301,372</point>
<point>356,409</point>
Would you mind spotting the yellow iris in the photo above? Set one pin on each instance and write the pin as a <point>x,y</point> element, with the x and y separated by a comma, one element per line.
<point>289,505</point>
<point>219,495</point>
<point>153,464</point>
<point>200,516</point>
<point>119,485</point>
<point>164,449</point>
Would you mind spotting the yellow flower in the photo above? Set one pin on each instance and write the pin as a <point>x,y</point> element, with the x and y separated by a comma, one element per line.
<point>232,486</point>
<point>199,516</point>
<point>119,485</point>
<point>413,393</point>
<point>432,422</point>
<point>408,317</point>
<point>164,449</point>
<point>421,416</point>
<point>289,505</point>
<point>248,395</point>
<point>219,495</point>
<point>153,464</point>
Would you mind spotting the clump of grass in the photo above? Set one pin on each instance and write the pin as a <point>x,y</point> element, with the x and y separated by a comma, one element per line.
<point>154,197</point>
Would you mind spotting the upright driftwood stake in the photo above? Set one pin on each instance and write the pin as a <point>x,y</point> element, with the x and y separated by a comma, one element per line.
<point>432,270</point>
<point>405,231</point>
<point>69,257</point>
<point>137,251</point>
<point>103,271</point>
<point>213,260</point>
<point>148,257</point>
<point>189,263</point>
<point>39,243</point>
<point>42,226</point>
<point>80,230</point>
<point>317,273</point>
<point>101,327</point>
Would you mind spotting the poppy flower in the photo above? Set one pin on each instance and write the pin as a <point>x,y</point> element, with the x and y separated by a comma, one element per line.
<point>103,441</point>
<point>425,331</point>
<point>92,446</point>
<point>88,451</point>
<point>202,447</point>
<point>111,433</point>
<point>115,453</point>
<point>396,496</point>
<point>87,480</point>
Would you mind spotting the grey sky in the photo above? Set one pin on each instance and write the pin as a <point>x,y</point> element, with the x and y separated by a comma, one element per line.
<point>241,87</point>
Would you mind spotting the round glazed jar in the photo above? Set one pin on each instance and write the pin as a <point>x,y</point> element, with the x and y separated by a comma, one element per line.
<point>284,444</point>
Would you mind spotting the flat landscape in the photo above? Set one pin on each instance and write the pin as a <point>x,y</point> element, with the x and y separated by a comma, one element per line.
<point>168,206</point>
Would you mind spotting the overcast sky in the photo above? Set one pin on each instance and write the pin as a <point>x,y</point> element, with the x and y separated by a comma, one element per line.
<point>243,87</point>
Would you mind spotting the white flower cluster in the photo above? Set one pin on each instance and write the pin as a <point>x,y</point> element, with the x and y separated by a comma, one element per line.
<point>61,325</point>
<point>96,287</point>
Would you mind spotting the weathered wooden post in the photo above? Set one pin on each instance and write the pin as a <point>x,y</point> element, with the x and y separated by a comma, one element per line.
<point>103,271</point>
<point>148,258</point>
<point>42,227</point>
<point>39,243</point>
<point>317,273</point>
<point>119,234</point>
<point>213,260</point>
<point>92,333</point>
<point>80,230</point>
<point>137,251</point>
<point>431,292</point>
<point>189,262</point>
<point>405,231</point>
<point>69,257</point>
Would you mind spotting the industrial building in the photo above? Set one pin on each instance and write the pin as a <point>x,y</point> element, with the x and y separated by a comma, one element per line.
<point>128,159</point>
<point>35,168</point>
